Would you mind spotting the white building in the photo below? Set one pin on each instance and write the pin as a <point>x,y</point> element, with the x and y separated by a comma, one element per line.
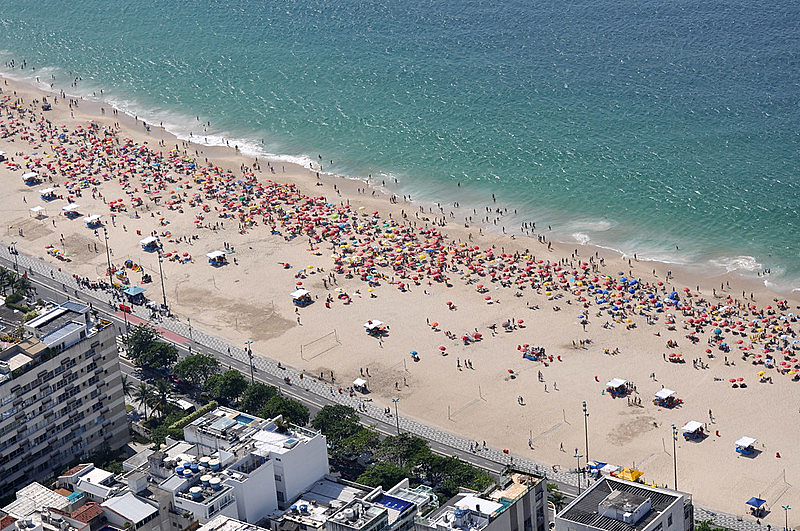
<point>60,395</point>
<point>297,456</point>
<point>518,503</point>
<point>225,523</point>
<point>613,504</point>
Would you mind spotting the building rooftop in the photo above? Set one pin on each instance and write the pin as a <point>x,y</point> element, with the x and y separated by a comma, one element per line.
<point>130,507</point>
<point>611,496</point>
<point>321,501</point>
<point>87,513</point>
<point>225,523</point>
<point>359,514</point>
<point>7,521</point>
<point>33,498</point>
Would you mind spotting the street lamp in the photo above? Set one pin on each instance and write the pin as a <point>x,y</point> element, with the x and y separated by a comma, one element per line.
<point>675,454</point>
<point>250,354</point>
<point>108,256</point>
<point>578,470</point>
<point>161,274</point>
<point>586,429</point>
<point>396,418</point>
<point>786,510</point>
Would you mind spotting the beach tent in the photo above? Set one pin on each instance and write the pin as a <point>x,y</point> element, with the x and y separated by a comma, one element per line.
<point>615,383</point>
<point>31,178</point>
<point>665,393</point>
<point>375,327</point>
<point>692,426</point>
<point>216,258</point>
<point>149,244</point>
<point>92,221</point>
<point>135,293</point>
<point>360,385</point>
<point>72,207</point>
<point>756,502</point>
<point>609,469</point>
<point>630,474</point>
<point>47,193</point>
<point>37,211</point>
<point>744,445</point>
<point>301,297</point>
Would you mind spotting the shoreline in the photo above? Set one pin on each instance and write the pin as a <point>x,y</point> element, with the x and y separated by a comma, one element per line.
<point>728,267</point>
<point>248,301</point>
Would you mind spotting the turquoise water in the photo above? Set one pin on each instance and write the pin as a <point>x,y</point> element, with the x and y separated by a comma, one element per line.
<point>636,125</point>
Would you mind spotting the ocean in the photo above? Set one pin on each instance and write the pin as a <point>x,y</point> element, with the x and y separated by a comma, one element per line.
<point>670,130</point>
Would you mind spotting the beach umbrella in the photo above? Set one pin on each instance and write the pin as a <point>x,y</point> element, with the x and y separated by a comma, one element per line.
<point>442,348</point>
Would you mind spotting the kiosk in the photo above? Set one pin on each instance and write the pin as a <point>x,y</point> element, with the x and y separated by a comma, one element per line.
<point>744,446</point>
<point>693,431</point>
<point>150,244</point>
<point>666,398</point>
<point>617,387</point>
<point>217,258</point>
<point>301,297</point>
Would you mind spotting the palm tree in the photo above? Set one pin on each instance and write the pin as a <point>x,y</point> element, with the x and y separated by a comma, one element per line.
<point>6,278</point>
<point>23,285</point>
<point>162,396</point>
<point>143,396</point>
<point>127,386</point>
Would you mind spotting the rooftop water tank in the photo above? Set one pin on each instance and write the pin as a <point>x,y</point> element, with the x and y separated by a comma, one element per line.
<point>294,509</point>
<point>179,470</point>
<point>205,478</point>
<point>304,508</point>
<point>214,464</point>
<point>204,461</point>
<point>215,483</point>
<point>187,464</point>
<point>187,473</point>
<point>194,467</point>
<point>196,492</point>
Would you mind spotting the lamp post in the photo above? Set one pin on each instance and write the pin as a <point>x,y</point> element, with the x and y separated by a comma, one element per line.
<point>161,274</point>
<point>396,418</point>
<point>675,454</point>
<point>191,339</point>
<point>250,355</point>
<point>108,256</point>
<point>578,470</point>
<point>786,510</point>
<point>586,429</point>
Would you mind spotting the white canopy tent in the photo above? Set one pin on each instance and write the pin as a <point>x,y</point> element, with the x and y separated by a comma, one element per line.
<point>30,175</point>
<point>215,255</point>
<point>616,382</point>
<point>745,442</point>
<point>72,207</point>
<point>372,325</point>
<point>37,211</point>
<point>691,426</point>
<point>149,241</point>
<point>664,393</point>
<point>299,293</point>
<point>94,218</point>
<point>44,192</point>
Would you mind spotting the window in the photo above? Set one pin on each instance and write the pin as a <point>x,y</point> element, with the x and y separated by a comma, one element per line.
<point>669,521</point>
<point>277,477</point>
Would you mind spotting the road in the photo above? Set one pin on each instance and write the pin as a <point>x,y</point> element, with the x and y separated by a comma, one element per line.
<point>58,286</point>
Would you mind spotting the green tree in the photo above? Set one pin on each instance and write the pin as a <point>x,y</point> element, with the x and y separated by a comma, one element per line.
<point>227,387</point>
<point>160,356</point>
<point>139,340</point>
<point>291,410</point>
<point>404,450</point>
<point>256,397</point>
<point>336,423</point>
<point>23,285</point>
<point>127,386</point>
<point>6,279</point>
<point>197,369</point>
<point>364,441</point>
<point>161,397</point>
<point>386,475</point>
<point>143,396</point>
<point>555,496</point>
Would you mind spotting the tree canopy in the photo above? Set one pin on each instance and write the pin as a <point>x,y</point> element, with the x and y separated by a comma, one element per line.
<point>197,369</point>
<point>291,410</point>
<point>139,340</point>
<point>227,387</point>
<point>386,475</point>
<point>336,423</point>
<point>256,397</point>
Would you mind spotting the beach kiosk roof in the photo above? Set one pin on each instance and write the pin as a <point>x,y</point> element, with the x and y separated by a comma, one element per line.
<point>94,218</point>
<point>37,209</point>
<point>150,241</point>
<point>72,207</point>
<point>616,382</point>
<point>756,502</point>
<point>745,442</point>
<point>630,474</point>
<point>133,291</point>
<point>691,426</point>
<point>215,255</point>
<point>371,325</point>
<point>30,175</point>
<point>359,382</point>
<point>46,191</point>
<point>665,393</point>
<point>300,293</point>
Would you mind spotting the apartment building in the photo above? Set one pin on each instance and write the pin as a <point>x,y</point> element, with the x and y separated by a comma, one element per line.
<point>60,395</point>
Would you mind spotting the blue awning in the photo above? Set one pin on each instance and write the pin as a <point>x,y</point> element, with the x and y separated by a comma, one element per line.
<point>133,291</point>
<point>756,502</point>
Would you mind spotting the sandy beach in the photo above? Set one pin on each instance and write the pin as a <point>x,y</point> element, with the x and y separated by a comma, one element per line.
<point>365,254</point>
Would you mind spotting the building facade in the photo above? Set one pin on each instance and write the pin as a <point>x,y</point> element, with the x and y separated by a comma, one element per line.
<point>60,396</point>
